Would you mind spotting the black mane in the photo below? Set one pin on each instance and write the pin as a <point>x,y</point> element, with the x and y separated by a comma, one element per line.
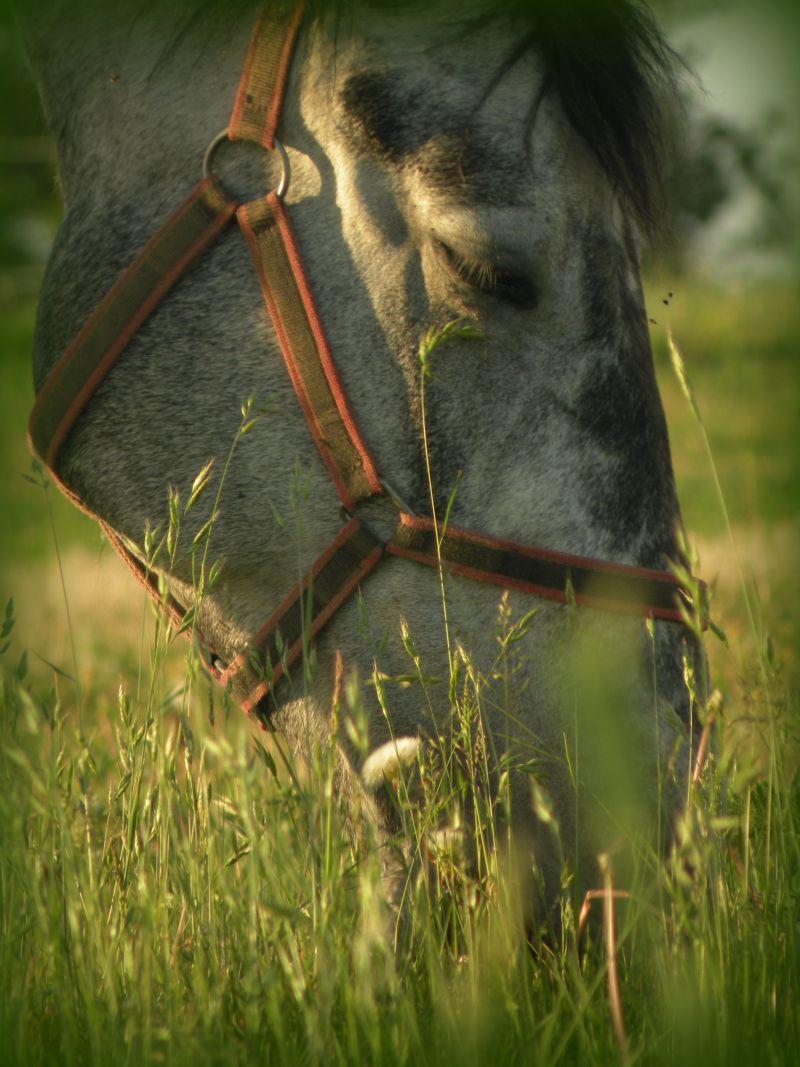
<point>616,77</point>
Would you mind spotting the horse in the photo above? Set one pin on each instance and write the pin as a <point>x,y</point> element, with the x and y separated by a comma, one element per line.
<point>447,163</point>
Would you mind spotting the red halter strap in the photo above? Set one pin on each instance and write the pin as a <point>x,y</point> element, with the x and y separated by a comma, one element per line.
<point>355,552</point>
<point>287,294</point>
<point>559,576</point>
<point>165,258</point>
<point>257,109</point>
<point>333,577</point>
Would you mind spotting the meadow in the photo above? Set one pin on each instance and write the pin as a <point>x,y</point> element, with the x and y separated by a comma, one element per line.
<point>169,893</point>
<point>174,891</point>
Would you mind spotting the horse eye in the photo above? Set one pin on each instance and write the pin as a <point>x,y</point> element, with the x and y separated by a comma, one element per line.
<point>489,278</point>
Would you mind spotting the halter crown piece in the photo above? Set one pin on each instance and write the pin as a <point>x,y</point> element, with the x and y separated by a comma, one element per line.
<point>355,551</point>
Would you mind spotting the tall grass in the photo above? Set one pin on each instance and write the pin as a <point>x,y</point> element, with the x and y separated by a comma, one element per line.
<point>169,893</point>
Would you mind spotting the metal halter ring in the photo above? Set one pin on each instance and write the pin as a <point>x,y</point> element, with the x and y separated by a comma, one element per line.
<point>286,173</point>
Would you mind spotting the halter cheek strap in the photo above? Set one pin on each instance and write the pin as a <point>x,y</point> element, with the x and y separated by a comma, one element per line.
<point>165,258</point>
<point>355,552</point>
<point>257,108</point>
<point>287,294</point>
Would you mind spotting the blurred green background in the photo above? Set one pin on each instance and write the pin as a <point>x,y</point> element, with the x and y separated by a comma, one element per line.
<point>726,257</point>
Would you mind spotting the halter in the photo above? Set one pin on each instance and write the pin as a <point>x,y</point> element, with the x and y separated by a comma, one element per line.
<point>356,551</point>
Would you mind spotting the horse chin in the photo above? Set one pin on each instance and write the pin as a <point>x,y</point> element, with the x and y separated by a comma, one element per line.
<point>611,804</point>
<point>583,736</point>
<point>625,700</point>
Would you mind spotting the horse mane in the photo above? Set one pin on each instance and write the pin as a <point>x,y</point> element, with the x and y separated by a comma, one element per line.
<point>616,76</point>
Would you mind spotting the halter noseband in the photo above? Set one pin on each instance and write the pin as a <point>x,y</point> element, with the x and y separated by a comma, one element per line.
<point>355,551</point>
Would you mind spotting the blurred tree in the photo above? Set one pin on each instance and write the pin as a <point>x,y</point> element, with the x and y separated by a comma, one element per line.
<point>721,163</point>
<point>29,202</point>
<point>733,188</point>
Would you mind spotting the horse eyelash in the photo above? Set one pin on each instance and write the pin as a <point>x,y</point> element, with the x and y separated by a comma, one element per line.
<point>487,278</point>
<point>479,275</point>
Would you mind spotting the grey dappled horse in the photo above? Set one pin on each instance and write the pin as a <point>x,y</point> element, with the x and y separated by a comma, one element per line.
<point>447,161</point>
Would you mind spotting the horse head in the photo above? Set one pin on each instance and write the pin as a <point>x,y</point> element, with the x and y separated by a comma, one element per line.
<point>495,168</point>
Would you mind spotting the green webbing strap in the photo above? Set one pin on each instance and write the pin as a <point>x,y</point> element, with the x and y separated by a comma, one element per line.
<point>306,353</point>
<point>83,366</point>
<point>540,571</point>
<point>333,577</point>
